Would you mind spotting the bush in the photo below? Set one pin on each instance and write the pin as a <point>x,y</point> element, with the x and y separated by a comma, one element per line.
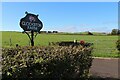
<point>118,45</point>
<point>51,63</point>
<point>71,43</point>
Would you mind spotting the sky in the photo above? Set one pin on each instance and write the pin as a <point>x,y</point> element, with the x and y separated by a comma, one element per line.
<point>63,16</point>
<point>60,0</point>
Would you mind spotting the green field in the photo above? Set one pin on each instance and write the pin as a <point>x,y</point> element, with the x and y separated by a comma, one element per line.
<point>104,46</point>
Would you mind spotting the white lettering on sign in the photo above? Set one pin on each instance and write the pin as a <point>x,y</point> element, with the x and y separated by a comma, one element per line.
<point>31,28</point>
<point>31,24</point>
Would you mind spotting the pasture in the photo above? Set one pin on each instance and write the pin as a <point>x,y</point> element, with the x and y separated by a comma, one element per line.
<point>104,46</point>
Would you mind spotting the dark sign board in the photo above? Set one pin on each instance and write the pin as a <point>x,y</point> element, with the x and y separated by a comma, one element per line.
<point>31,23</point>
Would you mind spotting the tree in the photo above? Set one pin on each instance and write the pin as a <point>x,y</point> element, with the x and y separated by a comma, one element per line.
<point>115,32</point>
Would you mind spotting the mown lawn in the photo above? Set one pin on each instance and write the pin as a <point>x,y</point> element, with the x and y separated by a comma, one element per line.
<point>104,46</point>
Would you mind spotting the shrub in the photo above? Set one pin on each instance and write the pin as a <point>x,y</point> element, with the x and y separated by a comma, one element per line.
<point>118,45</point>
<point>51,63</point>
<point>115,32</point>
<point>71,43</point>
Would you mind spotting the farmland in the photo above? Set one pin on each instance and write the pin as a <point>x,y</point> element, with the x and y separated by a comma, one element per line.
<point>104,46</point>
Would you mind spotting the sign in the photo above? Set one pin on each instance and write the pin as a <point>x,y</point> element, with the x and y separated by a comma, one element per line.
<point>31,23</point>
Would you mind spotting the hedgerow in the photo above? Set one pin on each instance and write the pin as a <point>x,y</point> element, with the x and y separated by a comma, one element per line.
<point>41,63</point>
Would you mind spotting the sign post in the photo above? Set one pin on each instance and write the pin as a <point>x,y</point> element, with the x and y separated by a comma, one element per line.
<point>32,39</point>
<point>31,23</point>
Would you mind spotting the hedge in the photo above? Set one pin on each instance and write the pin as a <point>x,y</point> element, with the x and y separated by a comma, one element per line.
<point>41,63</point>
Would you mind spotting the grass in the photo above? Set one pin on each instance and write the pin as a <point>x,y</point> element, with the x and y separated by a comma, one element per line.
<point>104,46</point>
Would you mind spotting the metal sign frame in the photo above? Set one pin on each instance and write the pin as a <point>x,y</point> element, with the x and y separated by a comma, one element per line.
<point>31,23</point>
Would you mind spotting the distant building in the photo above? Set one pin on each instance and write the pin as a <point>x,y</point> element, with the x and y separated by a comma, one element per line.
<point>89,33</point>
